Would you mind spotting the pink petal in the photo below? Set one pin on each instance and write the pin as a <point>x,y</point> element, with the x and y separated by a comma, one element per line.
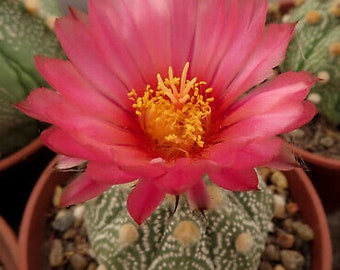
<point>215,28</point>
<point>248,32</point>
<point>254,154</point>
<point>181,175</point>
<point>198,197</point>
<point>183,30</point>
<point>83,52</point>
<point>235,180</point>
<point>62,142</point>
<point>143,200</point>
<point>277,121</point>
<point>81,189</point>
<point>106,27</point>
<point>51,107</point>
<point>109,173</point>
<point>284,161</point>
<point>63,77</point>
<point>271,153</point>
<point>286,88</point>
<point>268,54</point>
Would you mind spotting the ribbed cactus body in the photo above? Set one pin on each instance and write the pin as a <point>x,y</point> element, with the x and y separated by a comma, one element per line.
<point>231,235</point>
<point>22,35</point>
<point>316,49</point>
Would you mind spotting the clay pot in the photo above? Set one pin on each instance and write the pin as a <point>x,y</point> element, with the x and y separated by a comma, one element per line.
<point>8,246</point>
<point>31,237</point>
<point>21,154</point>
<point>325,175</point>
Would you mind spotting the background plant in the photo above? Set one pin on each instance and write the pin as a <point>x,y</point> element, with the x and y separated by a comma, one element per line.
<point>25,31</point>
<point>316,48</point>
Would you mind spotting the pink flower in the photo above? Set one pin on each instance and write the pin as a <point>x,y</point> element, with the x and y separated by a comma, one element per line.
<point>158,90</point>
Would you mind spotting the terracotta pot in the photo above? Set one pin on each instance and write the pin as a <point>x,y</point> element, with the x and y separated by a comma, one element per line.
<point>31,237</point>
<point>21,154</point>
<point>8,246</point>
<point>325,175</point>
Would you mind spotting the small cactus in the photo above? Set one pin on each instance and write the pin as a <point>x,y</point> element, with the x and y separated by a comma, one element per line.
<point>22,35</point>
<point>316,49</point>
<point>231,235</point>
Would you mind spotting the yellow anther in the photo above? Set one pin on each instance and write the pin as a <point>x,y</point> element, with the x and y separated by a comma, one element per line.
<point>176,115</point>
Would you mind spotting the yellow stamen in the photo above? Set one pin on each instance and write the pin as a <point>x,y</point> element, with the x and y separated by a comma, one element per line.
<point>175,116</point>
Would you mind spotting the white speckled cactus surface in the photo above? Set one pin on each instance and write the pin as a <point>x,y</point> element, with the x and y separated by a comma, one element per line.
<point>25,31</point>
<point>316,48</point>
<point>231,235</point>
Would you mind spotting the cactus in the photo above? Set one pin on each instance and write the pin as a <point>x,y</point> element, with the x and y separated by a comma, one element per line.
<point>231,235</point>
<point>22,35</point>
<point>316,48</point>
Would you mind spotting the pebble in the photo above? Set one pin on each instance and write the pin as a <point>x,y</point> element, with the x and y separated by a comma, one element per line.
<point>279,206</point>
<point>63,220</point>
<point>56,257</point>
<point>297,133</point>
<point>327,141</point>
<point>271,253</point>
<point>292,208</point>
<point>265,266</point>
<point>292,260</point>
<point>92,266</point>
<point>279,267</point>
<point>78,261</point>
<point>279,179</point>
<point>285,240</point>
<point>303,230</point>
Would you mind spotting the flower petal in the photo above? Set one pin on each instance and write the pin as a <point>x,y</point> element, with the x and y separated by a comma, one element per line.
<point>80,92</point>
<point>248,31</point>
<point>85,55</point>
<point>181,175</point>
<point>235,180</point>
<point>109,27</point>
<point>49,106</point>
<point>63,143</point>
<point>198,197</point>
<point>65,162</point>
<point>82,189</point>
<point>277,121</point>
<point>256,153</point>
<point>287,88</point>
<point>215,27</point>
<point>284,161</point>
<point>183,21</point>
<point>143,200</point>
<point>109,173</point>
<point>269,53</point>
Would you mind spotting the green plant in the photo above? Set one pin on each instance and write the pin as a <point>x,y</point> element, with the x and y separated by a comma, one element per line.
<point>316,49</point>
<point>231,235</point>
<point>23,34</point>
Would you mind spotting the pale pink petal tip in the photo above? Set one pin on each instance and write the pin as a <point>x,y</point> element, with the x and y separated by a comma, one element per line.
<point>65,162</point>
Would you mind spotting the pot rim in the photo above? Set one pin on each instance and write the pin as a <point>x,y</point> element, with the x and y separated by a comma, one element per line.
<point>8,246</point>
<point>330,163</point>
<point>21,154</point>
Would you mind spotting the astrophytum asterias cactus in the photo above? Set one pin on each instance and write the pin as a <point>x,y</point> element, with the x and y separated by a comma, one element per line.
<point>23,34</point>
<point>231,235</point>
<point>316,49</point>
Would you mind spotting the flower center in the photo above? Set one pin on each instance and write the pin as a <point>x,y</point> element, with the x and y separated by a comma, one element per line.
<point>176,115</point>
